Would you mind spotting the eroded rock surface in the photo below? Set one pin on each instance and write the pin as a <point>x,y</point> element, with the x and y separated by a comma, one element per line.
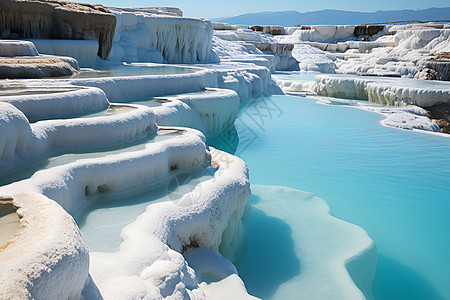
<point>56,19</point>
<point>273,30</point>
<point>37,66</point>
<point>440,115</point>
<point>439,64</point>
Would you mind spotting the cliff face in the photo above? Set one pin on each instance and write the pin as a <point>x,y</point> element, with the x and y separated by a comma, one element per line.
<point>55,19</point>
<point>141,36</point>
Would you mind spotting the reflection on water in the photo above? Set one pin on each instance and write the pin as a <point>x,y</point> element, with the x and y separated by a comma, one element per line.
<point>395,281</point>
<point>393,183</point>
<point>227,140</point>
<point>271,259</point>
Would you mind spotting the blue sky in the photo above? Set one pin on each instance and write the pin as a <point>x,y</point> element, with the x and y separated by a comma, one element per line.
<point>225,8</point>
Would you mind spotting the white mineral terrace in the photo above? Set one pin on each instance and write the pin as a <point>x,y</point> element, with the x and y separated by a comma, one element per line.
<point>392,91</point>
<point>105,145</point>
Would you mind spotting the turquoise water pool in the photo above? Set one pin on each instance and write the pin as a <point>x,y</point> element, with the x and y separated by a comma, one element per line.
<point>393,183</point>
<point>101,222</point>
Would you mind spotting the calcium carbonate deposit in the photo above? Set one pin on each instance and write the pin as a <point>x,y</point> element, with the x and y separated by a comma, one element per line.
<point>125,135</point>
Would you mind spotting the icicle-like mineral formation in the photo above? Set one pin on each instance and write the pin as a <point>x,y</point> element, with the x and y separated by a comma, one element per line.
<point>143,35</point>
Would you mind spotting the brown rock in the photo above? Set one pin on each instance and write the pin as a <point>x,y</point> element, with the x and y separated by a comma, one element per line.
<point>270,29</point>
<point>440,115</point>
<point>439,111</point>
<point>369,30</point>
<point>277,48</point>
<point>441,57</point>
<point>443,124</point>
<point>57,19</point>
<point>37,66</point>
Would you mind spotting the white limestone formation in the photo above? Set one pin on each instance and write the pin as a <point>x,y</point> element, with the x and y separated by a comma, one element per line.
<point>84,51</point>
<point>392,91</point>
<point>172,248</point>
<point>394,50</point>
<point>142,36</point>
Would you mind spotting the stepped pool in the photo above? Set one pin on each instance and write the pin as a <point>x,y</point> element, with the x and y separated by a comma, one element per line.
<point>71,155</point>
<point>111,110</point>
<point>9,222</point>
<point>135,69</point>
<point>295,75</point>
<point>393,183</point>
<point>22,90</point>
<point>102,222</point>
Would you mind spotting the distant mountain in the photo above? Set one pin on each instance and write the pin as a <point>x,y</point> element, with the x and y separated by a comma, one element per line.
<point>336,17</point>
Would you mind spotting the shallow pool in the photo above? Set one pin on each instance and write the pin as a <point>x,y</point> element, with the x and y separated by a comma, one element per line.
<point>295,75</point>
<point>102,221</point>
<point>151,102</point>
<point>20,90</point>
<point>111,110</point>
<point>9,224</point>
<point>393,183</point>
<point>69,156</point>
<point>133,70</point>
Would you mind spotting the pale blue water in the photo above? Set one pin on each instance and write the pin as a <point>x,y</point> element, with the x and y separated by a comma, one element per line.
<point>295,75</point>
<point>110,111</point>
<point>133,70</point>
<point>31,90</point>
<point>393,183</point>
<point>102,221</point>
<point>152,102</point>
<point>70,155</point>
<point>113,109</point>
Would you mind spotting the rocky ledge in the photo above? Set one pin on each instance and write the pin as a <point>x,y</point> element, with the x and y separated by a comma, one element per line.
<point>436,67</point>
<point>57,19</point>
<point>440,115</point>
<point>37,66</point>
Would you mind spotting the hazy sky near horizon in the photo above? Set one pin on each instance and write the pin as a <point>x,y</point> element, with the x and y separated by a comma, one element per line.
<point>225,8</point>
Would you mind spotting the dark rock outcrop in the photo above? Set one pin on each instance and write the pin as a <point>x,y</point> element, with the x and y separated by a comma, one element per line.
<point>443,124</point>
<point>57,19</point>
<point>279,48</point>
<point>426,73</point>
<point>440,115</point>
<point>270,29</point>
<point>367,30</point>
<point>438,64</point>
